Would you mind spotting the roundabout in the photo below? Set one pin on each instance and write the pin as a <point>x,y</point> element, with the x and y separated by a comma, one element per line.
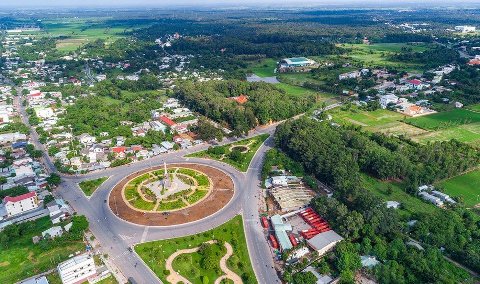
<point>171,194</point>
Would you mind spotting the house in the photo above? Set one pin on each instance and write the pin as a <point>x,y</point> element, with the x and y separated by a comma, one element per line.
<point>458,105</point>
<point>12,137</point>
<point>19,204</point>
<point>368,261</point>
<point>430,198</point>
<point>416,84</point>
<point>325,241</point>
<point>349,75</point>
<point>53,232</point>
<point>281,232</point>
<point>242,99</point>
<point>388,99</point>
<point>167,145</point>
<point>119,149</point>
<point>393,204</point>
<point>86,139</point>
<point>77,269</point>
<point>413,110</point>
<point>167,121</point>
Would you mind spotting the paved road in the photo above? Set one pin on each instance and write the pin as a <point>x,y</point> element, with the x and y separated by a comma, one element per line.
<point>116,235</point>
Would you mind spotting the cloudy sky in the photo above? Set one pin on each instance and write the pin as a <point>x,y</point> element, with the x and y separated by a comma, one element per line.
<point>163,3</point>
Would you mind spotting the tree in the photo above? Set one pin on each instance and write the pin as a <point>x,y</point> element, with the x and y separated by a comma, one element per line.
<point>54,179</point>
<point>304,278</point>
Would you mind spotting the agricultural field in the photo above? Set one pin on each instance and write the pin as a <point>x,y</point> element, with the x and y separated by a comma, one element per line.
<point>238,154</point>
<point>466,186</point>
<point>21,258</point>
<point>468,133</point>
<point>89,186</point>
<point>443,120</point>
<point>378,55</point>
<point>390,191</point>
<point>76,32</point>
<point>191,265</point>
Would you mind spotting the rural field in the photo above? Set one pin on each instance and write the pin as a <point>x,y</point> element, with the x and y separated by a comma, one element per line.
<point>76,32</point>
<point>378,55</point>
<point>191,265</point>
<point>393,192</point>
<point>264,68</point>
<point>466,186</point>
<point>443,120</point>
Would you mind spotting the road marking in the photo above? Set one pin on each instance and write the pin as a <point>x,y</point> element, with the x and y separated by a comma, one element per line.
<point>187,159</point>
<point>124,237</point>
<point>144,235</point>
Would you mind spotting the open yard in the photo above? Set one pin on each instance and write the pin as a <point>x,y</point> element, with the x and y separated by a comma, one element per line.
<point>447,119</point>
<point>21,258</point>
<point>190,265</point>
<point>238,154</point>
<point>89,186</point>
<point>389,191</point>
<point>466,186</point>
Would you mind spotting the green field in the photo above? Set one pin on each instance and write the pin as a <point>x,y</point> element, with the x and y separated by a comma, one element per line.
<point>21,258</point>
<point>264,68</point>
<point>76,32</point>
<point>378,55</point>
<point>466,186</point>
<point>475,107</point>
<point>447,119</point>
<point>155,253</point>
<point>409,204</point>
<point>468,133</point>
<point>222,153</point>
<point>89,186</point>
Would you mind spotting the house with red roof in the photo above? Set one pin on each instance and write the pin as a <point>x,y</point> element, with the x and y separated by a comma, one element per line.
<point>167,121</point>
<point>19,204</point>
<point>416,84</point>
<point>119,149</point>
<point>240,99</point>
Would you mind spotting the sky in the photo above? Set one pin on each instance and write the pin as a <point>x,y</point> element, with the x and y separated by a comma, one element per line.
<point>252,3</point>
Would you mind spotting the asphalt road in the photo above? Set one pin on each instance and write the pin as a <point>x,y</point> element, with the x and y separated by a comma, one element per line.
<point>117,236</point>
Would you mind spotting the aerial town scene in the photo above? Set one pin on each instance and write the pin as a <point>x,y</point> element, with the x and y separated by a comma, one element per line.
<point>239,142</point>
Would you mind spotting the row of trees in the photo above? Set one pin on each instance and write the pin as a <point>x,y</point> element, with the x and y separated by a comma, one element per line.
<point>339,155</point>
<point>265,102</point>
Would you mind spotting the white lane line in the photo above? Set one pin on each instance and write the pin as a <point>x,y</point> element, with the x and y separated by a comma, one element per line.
<point>144,235</point>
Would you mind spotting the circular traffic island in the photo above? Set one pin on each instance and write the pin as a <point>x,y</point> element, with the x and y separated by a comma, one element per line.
<point>170,195</point>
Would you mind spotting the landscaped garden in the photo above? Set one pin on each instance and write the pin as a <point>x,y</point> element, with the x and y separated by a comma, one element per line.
<point>238,154</point>
<point>89,186</point>
<point>466,186</point>
<point>157,191</point>
<point>197,257</point>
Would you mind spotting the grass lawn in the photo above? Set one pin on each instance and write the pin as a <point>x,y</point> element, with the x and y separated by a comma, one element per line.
<point>22,259</point>
<point>155,253</point>
<point>475,107</point>
<point>265,68</point>
<point>223,153</point>
<point>109,280</point>
<point>447,119</point>
<point>89,186</point>
<point>467,186</point>
<point>410,204</point>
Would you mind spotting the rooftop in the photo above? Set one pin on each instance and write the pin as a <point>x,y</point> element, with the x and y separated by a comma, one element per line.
<point>20,197</point>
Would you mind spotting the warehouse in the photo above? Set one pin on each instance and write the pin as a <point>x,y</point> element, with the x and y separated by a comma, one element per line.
<point>325,241</point>
<point>296,62</point>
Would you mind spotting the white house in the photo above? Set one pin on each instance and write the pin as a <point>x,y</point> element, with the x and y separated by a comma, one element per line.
<point>388,99</point>
<point>19,204</point>
<point>77,269</point>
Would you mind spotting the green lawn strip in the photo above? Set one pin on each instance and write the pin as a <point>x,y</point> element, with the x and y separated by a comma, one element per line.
<point>54,278</point>
<point>466,186</point>
<point>109,280</point>
<point>171,205</point>
<point>142,204</point>
<point>447,119</point>
<point>187,265</point>
<point>410,203</point>
<point>89,186</point>
<point>21,258</point>
<point>196,196</point>
<point>246,158</point>
<point>155,253</point>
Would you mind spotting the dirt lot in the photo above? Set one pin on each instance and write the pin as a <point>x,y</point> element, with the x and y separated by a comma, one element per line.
<point>221,194</point>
